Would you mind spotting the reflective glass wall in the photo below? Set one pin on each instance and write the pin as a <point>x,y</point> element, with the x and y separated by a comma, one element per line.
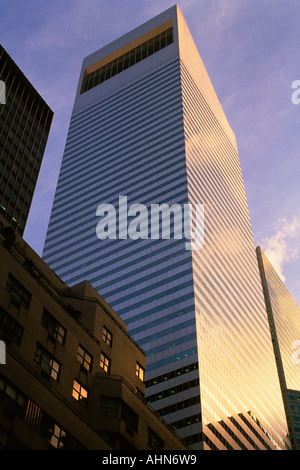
<point>155,134</point>
<point>239,387</point>
<point>284,319</point>
<point>25,121</point>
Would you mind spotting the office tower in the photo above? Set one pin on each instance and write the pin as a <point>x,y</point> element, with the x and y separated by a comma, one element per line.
<point>147,128</point>
<point>71,377</point>
<point>25,121</point>
<point>284,319</point>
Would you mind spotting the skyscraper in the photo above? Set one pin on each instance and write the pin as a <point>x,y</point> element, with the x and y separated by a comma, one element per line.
<point>284,319</point>
<point>25,121</point>
<point>147,129</point>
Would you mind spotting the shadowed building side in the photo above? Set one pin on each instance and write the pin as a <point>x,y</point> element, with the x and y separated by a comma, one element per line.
<point>25,120</point>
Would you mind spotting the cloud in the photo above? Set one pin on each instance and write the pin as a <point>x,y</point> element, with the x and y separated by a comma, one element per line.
<point>282,248</point>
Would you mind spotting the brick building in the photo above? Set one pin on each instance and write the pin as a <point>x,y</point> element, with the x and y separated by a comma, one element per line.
<point>73,378</point>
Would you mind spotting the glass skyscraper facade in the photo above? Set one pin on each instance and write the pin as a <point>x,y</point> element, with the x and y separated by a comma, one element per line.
<point>147,126</point>
<point>284,319</point>
<point>25,120</point>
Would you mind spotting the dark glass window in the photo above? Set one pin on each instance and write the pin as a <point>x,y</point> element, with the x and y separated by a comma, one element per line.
<point>154,441</point>
<point>129,59</point>
<point>129,416</point>
<point>119,409</point>
<point>110,406</point>
<point>20,295</point>
<point>12,398</point>
<point>10,327</point>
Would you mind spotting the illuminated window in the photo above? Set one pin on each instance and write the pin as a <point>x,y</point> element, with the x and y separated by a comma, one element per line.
<point>80,393</point>
<point>55,329</point>
<point>104,362</point>
<point>57,437</point>
<point>47,362</point>
<point>84,358</point>
<point>107,336</point>
<point>128,59</point>
<point>139,372</point>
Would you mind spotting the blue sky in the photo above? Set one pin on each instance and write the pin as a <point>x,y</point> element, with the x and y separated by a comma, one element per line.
<point>251,51</point>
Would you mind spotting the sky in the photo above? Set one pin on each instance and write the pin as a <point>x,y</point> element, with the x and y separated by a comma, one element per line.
<point>251,50</point>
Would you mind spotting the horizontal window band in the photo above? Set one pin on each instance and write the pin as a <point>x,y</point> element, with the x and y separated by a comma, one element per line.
<point>163,304</point>
<point>120,148</point>
<point>163,318</point>
<point>175,248</point>
<point>126,60</point>
<point>137,272</point>
<point>116,122</point>
<point>148,290</point>
<point>171,375</point>
<point>63,225</point>
<point>121,188</point>
<point>124,95</point>
<point>159,309</point>
<point>166,331</point>
<point>181,405</point>
<point>148,178</point>
<point>169,392</point>
<point>137,99</point>
<point>137,301</point>
<point>172,344</point>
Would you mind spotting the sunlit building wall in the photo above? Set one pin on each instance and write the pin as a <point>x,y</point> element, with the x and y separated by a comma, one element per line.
<point>284,319</point>
<point>147,124</point>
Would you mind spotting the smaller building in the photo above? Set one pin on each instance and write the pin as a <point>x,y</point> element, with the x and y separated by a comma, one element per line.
<point>71,376</point>
<point>284,319</point>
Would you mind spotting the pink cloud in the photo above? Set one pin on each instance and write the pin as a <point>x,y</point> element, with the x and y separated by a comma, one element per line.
<point>282,247</point>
